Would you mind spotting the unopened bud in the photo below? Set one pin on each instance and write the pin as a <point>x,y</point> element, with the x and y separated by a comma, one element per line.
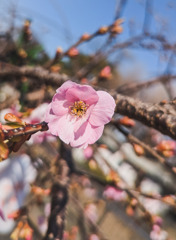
<point>168,153</point>
<point>72,52</point>
<point>92,164</point>
<point>55,68</point>
<point>116,29</point>
<point>84,81</point>
<point>139,150</point>
<point>126,121</point>
<point>119,21</point>
<point>22,53</point>
<point>59,52</point>
<point>85,37</point>
<point>27,23</point>
<point>166,145</point>
<point>129,211</point>
<point>105,73</point>
<point>103,30</point>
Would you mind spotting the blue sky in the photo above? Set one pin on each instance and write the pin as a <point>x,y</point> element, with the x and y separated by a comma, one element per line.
<point>62,22</point>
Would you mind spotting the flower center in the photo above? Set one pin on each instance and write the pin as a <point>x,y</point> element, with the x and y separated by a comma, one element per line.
<point>78,109</point>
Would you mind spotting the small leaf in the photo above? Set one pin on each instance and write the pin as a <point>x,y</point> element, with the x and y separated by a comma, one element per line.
<point>13,119</point>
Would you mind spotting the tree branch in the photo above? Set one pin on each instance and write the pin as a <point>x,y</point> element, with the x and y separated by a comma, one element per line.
<point>161,116</point>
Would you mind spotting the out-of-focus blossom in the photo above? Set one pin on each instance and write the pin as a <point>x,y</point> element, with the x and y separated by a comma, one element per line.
<point>91,212</point>
<point>114,194</point>
<point>37,116</point>
<point>22,231</point>
<point>105,73</point>
<point>167,148</point>
<point>94,237</point>
<point>157,220</point>
<point>78,113</point>
<point>88,152</point>
<point>15,176</point>
<point>158,234</point>
<point>166,145</point>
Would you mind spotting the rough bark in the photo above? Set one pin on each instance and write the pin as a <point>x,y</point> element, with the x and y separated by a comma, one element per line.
<point>161,116</point>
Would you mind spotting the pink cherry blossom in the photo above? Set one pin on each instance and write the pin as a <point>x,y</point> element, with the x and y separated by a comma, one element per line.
<point>114,194</point>
<point>37,116</point>
<point>78,113</point>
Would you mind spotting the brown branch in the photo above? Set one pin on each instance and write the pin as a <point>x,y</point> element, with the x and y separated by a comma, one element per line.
<point>133,87</point>
<point>40,73</point>
<point>161,116</point>
<point>59,195</point>
<point>28,129</point>
<point>133,139</point>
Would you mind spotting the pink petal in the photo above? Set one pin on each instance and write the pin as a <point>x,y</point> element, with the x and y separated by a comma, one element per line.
<point>49,116</point>
<point>87,134</point>
<point>103,110</point>
<point>62,127</point>
<point>65,86</point>
<point>95,134</point>
<point>59,105</point>
<point>82,92</point>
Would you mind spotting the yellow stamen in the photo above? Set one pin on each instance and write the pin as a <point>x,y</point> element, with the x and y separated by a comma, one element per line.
<point>78,109</point>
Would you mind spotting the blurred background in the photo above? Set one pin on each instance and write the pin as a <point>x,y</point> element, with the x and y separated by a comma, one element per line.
<point>128,46</point>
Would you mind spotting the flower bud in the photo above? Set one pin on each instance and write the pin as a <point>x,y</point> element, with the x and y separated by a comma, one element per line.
<point>85,37</point>
<point>103,30</point>
<point>59,52</point>
<point>72,52</point>
<point>127,122</point>
<point>139,150</point>
<point>130,211</point>
<point>105,73</point>
<point>22,53</point>
<point>166,145</point>
<point>55,68</point>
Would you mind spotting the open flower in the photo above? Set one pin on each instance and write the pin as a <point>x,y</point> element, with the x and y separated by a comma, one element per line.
<point>78,113</point>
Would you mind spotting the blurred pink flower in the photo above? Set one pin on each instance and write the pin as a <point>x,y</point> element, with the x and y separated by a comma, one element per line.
<point>88,152</point>
<point>91,212</point>
<point>78,113</point>
<point>158,234</point>
<point>114,194</point>
<point>93,237</point>
<point>37,116</point>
